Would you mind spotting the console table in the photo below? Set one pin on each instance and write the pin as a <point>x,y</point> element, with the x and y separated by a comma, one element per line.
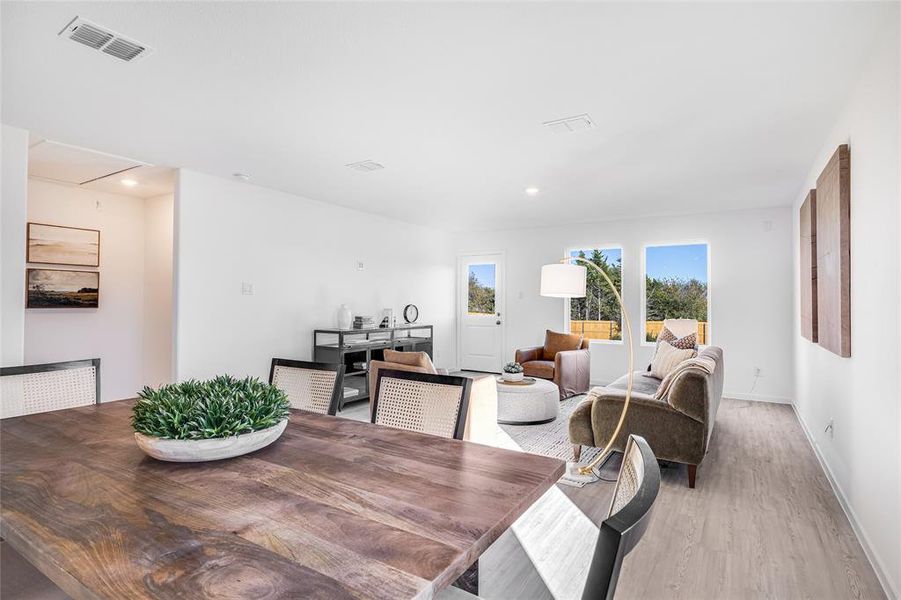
<point>355,348</point>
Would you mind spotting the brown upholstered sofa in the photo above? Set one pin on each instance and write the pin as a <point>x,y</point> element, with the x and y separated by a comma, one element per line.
<point>677,428</point>
<point>564,359</point>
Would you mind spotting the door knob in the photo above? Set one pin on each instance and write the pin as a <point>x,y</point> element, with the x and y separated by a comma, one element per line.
<point>498,322</point>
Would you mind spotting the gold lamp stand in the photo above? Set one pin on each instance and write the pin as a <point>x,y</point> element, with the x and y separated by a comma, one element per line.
<point>559,281</point>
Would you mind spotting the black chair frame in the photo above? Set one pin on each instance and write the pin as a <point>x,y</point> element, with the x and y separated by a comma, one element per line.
<point>338,390</point>
<point>462,382</point>
<point>620,532</point>
<point>59,366</point>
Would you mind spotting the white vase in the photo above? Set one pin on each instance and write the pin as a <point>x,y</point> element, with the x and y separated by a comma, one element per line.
<point>345,317</point>
<point>512,376</point>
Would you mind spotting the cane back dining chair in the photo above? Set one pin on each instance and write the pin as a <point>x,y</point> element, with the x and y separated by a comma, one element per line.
<point>423,402</point>
<point>627,520</point>
<point>33,389</point>
<point>312,386</point>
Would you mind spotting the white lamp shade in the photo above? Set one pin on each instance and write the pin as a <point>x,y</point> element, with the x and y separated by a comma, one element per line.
<point>563,280</point>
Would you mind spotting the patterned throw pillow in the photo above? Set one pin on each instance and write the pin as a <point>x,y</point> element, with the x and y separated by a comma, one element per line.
<point>690,341</point>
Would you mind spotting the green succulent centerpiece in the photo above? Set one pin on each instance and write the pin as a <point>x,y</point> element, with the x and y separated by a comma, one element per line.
<point>207,420</point>
<point>512,371</point>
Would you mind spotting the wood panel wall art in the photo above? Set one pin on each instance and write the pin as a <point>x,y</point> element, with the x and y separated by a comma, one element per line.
<point>833,252</point>
<point>808,220</point>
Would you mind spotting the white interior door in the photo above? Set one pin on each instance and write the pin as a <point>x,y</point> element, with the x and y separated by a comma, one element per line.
<point>481,311</point>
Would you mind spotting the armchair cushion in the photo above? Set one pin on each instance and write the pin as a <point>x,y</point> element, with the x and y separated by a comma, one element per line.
<point>538,368</point>
<point>555,342</point>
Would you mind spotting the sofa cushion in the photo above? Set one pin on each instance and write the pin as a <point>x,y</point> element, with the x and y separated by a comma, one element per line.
<point>642,383</point>
<point>555,342</point>
<point>539,368</point>
<point>411,359</point>
<point>687,342</point>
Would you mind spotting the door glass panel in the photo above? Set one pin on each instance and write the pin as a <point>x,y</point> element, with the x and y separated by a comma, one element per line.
<point>481,289</point>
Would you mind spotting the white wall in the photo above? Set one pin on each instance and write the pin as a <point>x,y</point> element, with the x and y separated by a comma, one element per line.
<point>114,332</point>
<point>750,282</point>
<point>158,290</point>
<point>12,244</point>
<point>861,393</point>
<point>300,257</point>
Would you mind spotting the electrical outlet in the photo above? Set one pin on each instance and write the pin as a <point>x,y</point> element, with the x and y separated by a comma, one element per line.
<point>830,429</point>
<point>756,371</point>
<point>360,265</point>
<point>247,288</point>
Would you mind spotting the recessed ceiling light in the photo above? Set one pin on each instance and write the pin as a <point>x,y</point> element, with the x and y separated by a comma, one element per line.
<point>365,166</point>
<point>241,176</point>
<point>570,124</point>
<point>129,182</point>
<point>532,191</point>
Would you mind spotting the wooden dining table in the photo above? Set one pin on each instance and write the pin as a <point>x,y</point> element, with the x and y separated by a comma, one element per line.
<point>334,509</point>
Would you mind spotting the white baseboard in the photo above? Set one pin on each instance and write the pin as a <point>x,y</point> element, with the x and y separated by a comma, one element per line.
<point>757,398</point>
<point>881,574</point>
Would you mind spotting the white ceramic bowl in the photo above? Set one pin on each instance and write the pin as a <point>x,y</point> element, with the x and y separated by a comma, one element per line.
<point>512,376</point>
<point>211,449</point>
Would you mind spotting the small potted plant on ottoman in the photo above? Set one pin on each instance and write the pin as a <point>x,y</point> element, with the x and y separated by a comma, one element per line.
<point>512,371</point>
<point>196,421</point>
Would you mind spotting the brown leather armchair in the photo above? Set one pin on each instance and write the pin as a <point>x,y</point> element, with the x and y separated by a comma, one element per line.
<point>564,359</point>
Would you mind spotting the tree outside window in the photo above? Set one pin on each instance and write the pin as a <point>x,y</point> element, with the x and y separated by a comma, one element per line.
<point>676,287</point>
<point>481,290</point>
<point>597,315</point>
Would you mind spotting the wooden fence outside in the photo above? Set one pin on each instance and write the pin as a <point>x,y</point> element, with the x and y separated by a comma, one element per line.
<point>610,330</point>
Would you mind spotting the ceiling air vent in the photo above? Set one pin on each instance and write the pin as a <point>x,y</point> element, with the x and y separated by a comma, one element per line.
<point>365,166</point>
<point>570,124</point>
<point>100,38</point>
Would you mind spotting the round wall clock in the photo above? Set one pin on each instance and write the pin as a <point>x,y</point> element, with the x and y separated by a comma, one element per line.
<point>411,313</point>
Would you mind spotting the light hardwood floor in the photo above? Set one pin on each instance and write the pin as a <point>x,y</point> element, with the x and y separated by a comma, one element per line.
<point>763,522</point>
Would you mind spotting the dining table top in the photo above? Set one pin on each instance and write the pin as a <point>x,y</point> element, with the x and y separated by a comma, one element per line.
<point>335,508</point>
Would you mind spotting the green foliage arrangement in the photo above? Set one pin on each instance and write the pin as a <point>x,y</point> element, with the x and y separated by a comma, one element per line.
<point>221,407</point>
<point>513,367</point>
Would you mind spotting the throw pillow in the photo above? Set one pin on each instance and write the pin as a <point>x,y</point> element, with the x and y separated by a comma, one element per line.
<point>683,343</point>
<point>559,342</point>
<point>410,359</point>
<point>667,357</point>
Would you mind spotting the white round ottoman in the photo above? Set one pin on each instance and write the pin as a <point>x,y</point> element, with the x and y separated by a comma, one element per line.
<point>527,404</point>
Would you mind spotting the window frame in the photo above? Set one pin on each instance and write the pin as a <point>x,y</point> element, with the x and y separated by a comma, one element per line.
<point>567,306</point>
<point>642,340</point>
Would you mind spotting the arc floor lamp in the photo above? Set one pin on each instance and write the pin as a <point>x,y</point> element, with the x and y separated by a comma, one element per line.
<point>567,279</point>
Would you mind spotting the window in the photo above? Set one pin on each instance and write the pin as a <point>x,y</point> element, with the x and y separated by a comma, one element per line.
<point>676,287</point>
<point>597,315</point>
<point>481,289</point>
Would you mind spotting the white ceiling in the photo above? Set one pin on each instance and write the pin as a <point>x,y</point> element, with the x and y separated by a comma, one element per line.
<point>87,169</point>
<point>698,107</point>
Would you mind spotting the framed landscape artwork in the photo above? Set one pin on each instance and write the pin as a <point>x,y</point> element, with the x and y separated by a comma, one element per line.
<point>55,288</point>
<point>833,254</point>
<point>808,219</point>
<point>57,245</point>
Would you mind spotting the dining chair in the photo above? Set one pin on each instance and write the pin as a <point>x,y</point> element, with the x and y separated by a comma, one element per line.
<point>423,402</point>
<point>316,387</point>
<point>627,520</point>
<point>33,389</point>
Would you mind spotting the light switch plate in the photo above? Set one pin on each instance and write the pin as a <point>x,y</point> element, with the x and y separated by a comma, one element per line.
<point>247,288</point>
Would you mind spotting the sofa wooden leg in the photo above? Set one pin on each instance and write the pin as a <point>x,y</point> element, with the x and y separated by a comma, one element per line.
<point>577,451</point>
<point>692,473</point>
